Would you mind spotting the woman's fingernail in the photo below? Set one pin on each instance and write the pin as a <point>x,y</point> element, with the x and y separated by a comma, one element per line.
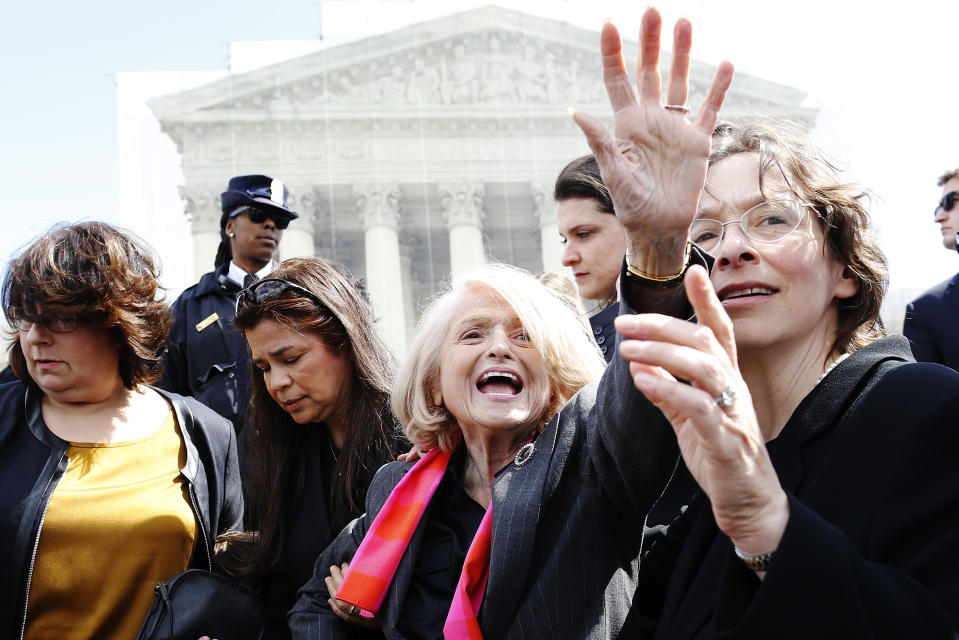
<point>631,348</point>
<point>646,381</point>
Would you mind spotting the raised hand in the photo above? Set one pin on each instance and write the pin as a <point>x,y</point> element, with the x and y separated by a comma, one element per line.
<point>655,166</point>
<point>721,443</point>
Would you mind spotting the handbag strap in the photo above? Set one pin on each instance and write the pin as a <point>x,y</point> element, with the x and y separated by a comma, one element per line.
<point>161,591</point>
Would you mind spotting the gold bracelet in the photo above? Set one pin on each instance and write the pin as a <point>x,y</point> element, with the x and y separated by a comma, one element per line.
<point>633,271</point>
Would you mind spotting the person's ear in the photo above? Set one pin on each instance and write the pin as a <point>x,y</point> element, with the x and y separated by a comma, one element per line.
<point>228,229</point>
<point>847,286</point>
<point>437,397</point>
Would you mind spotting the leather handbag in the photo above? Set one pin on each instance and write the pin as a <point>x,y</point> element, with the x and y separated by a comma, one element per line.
<point>199,603</point>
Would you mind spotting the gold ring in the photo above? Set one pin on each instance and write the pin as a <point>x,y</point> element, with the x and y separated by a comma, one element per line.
<point>679,108</point>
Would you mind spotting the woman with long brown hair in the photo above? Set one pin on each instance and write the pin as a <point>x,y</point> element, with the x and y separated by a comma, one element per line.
<point>320,420</point>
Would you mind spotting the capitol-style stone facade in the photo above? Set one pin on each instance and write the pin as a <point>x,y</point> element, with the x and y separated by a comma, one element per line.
<point>417,153</point>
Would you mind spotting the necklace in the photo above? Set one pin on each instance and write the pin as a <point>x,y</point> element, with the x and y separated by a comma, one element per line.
<point>831,366</point>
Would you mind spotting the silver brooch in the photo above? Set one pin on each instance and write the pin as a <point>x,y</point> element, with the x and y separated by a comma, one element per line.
<point>524,455</point>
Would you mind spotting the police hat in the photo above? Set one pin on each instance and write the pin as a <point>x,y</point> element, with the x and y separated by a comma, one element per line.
<point>261,191</point>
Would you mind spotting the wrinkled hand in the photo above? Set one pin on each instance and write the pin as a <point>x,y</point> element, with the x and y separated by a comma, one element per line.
<point>655,167</point>
<point>412,455</point>
<point>341,608</point>
<point>723,447</point>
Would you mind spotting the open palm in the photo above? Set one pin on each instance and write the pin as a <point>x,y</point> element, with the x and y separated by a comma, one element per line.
<point>655,162</point>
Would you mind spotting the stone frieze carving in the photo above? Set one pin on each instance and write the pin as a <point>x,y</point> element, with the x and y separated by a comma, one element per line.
<point>491,67</point>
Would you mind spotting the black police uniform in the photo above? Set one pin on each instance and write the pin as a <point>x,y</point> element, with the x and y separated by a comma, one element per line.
<point>206,356</point>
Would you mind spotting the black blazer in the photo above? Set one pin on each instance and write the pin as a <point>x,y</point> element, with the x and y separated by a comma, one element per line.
<point>932,324</point>
<point>604,333</point>
<point>870,461</point>
<point>567,525</point>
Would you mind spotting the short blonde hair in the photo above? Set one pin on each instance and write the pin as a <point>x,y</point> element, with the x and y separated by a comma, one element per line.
<point>572,358</point>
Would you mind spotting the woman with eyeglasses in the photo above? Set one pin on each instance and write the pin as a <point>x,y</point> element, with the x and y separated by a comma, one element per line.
<point>823,459</point>
<point>320,421</point>
<point>525,517</point>
<point>109,486</point>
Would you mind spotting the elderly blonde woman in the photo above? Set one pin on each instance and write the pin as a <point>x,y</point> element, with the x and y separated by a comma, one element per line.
<point>524,519</point>
<point>537,465</point>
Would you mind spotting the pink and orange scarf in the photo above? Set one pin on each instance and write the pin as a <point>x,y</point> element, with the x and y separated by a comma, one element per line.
<point>375,562</point>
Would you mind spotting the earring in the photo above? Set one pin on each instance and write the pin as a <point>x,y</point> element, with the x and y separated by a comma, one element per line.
<point>231,235</point>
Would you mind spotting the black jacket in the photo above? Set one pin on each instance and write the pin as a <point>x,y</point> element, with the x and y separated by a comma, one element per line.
<point>33,460</point>
<point>566,525</point>
<point>603,330</point>
<point>209,363</point>
<point>868,461</point>
<point>932,324</point>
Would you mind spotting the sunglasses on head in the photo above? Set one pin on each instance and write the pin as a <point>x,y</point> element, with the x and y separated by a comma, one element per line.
<point>270,289</point>
<point>259,216</point>
<point>948,201</point>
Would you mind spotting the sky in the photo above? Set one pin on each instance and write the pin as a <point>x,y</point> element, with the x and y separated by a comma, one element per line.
<point>883,76</point>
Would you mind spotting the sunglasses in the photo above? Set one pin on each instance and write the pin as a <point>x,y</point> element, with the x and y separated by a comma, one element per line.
<point>259,216</point>
<point>270,289</point>
<point>948,201</point>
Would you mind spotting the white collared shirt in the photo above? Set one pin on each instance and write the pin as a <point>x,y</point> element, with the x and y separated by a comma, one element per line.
<point>237,273</point>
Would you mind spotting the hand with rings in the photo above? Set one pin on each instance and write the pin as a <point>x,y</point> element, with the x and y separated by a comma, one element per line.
<point>713,416</point>
<point>342,609</point>
<point>655,166</point>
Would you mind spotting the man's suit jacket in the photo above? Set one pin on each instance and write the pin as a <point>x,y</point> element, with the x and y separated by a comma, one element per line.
<point>567,525</point>
<point>932,324</point>
<point>869,462</point>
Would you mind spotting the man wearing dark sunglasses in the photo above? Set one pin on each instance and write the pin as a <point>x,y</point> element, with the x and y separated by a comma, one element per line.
<point>932,319</point>
<point>206,358</point>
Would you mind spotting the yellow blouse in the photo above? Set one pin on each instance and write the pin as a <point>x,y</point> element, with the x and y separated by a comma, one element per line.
<point>119,522</point>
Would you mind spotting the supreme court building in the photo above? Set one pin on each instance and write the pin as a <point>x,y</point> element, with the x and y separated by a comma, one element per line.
<point>418,153</point>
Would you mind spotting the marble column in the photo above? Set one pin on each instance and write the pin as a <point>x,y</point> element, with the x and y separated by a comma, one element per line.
<point>298,238</point>
<point>378,206</point>
<point>462,205</point>
<point>544,207</point>
<point>203,208</point>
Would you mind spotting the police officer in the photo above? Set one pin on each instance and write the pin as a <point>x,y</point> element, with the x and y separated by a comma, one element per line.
<point>206,357</point>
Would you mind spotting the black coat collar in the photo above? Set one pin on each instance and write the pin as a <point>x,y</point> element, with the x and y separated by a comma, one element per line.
<point>837,396</point>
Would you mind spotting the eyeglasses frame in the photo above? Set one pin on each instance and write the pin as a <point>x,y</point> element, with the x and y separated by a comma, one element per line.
<point>18,324</point>
<point>723,225</point>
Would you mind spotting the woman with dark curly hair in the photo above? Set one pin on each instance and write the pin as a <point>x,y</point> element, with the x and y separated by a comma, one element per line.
<point>320,421</point>
<point>109,485</point>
